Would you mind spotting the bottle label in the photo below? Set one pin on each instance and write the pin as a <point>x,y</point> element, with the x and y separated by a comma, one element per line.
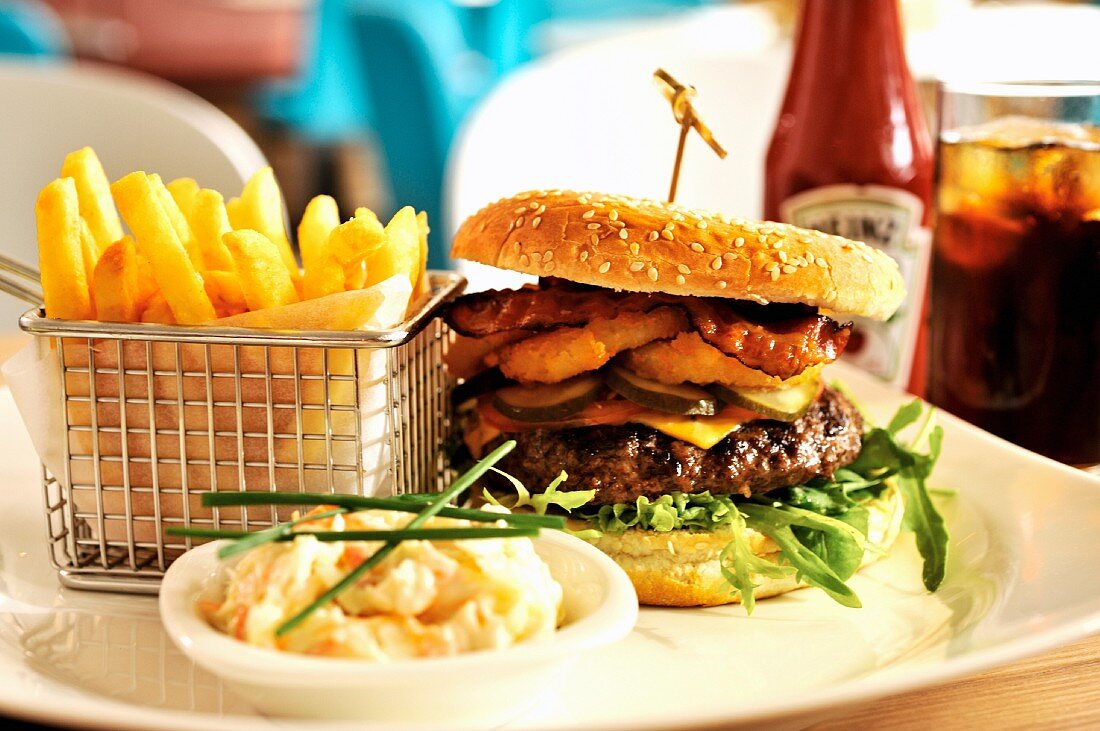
<point>888,219</point>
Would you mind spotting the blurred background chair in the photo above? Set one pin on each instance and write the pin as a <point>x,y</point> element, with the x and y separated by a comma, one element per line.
<point>31,29</point>
<point>134,122</point>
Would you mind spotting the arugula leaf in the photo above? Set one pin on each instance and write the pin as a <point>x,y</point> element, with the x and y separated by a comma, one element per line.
<point>906,415</point>
<point>809,567</point>
<point>566,500</point>
<point>838,543</point>
<point>883,454</point>
<point>739,564</point>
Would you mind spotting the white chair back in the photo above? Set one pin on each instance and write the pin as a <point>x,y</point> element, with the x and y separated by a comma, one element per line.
<point>134,122</point>
<point>591,119</point>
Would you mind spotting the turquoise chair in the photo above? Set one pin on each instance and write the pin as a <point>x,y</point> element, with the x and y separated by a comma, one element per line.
<point>422,78</point>
<point>507,25</point>
<point>31,29</point>
<point>326,102</point>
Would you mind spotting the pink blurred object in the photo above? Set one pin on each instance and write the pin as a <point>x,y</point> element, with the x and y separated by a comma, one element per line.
<point>190,40</point>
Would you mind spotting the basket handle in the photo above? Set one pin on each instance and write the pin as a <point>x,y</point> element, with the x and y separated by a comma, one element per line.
<point>20,280</point>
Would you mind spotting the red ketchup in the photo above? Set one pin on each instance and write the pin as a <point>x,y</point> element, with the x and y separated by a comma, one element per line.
<point>851,155</point>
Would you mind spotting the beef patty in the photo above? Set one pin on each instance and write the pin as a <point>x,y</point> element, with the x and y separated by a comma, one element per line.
<point>624,462</point>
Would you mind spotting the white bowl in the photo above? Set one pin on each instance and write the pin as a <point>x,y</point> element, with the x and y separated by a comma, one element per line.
<point>486,687</point>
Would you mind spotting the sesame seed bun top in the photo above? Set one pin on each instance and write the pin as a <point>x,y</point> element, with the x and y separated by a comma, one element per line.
<point>651,246</point>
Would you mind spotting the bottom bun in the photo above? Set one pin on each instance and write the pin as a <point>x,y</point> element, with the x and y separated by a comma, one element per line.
<point>680,568</point>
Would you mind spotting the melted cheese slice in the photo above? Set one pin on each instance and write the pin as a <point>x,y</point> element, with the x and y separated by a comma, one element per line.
<point>702,431</point>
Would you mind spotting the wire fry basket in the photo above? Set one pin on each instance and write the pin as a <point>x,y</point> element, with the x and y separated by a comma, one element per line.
<point>149,417</point>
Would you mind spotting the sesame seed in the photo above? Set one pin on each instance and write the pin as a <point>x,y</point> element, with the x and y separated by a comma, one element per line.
<point>771,266</point>
<point>549,266</point>
<point>536,256</point>
<point>667,234</point>
<point>652,274</point>
<point>654,235</point>
<point>697,247</point>
<point>783,257</point>
<point>525,260</point>
<point>775,274</point>
<point>584,256</point>
<point>822,263</point>
<point>541,210</point>
<point>762,238</point>
<point>516,246</point>
<point>677,217</point>
<point>593,226</point>
<point>680,279</point>
<point>683,269</point>
<point>614,215</point>
<point>622,234</point>
<point>670,225</point>
<point>589,214</point>
<point>810,257</point>
<point>739,241</point>
<point>717,263</point>
<point>523,196</point>
<point>721,284</point>
<point>634,248</point>
<point>548,255</point>
<point>637,266</point>
<point>605,267</point>
<point>701,224</point>
<point>535,223</point>
<point>594,239</point>
<point>616,224</point>
<point>519,221</point>
<point>520,210</point>
<point>789,269</point>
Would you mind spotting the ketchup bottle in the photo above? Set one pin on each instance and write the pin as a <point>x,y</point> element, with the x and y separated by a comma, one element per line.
<point>851,155</point>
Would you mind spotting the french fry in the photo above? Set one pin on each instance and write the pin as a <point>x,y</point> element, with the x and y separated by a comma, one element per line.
<point>89,250</point>
<point>176,276</point>
<point>318,220</point>
<point>93,192</point>
<point>263,276</point>
<point>183,192</point>
<point>158,310</point>
<point>348,246</point>
<point>60,253</point>
<point>260,209</point>
<point>179,222</point>
<point>115,283</point>
<point>209,223</point>
<point>224,289</point>
<point>401,254</point>
<point>422,285</point>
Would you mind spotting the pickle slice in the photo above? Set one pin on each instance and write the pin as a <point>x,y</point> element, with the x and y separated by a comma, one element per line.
<point>783,404</point>
<point>548,401</point>
<point>681,399</point>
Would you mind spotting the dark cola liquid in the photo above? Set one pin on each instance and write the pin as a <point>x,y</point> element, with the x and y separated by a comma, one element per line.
<point>1014,332</point>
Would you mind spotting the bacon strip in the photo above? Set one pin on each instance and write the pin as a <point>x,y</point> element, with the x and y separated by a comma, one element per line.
<point>779,340</point>
<point>783,348</point>
<point>493,311</point>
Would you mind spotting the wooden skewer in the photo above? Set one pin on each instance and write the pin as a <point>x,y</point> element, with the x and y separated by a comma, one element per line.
<point>680,96</point>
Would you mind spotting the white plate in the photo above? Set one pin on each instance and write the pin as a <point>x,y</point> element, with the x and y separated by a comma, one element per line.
<point>1025,541</point>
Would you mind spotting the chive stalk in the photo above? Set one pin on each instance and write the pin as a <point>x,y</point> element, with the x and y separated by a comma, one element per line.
<point>359,502</point>
<point>406,534</point>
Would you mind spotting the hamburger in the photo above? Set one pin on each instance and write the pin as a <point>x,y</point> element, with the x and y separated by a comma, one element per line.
<point>663,384</point>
